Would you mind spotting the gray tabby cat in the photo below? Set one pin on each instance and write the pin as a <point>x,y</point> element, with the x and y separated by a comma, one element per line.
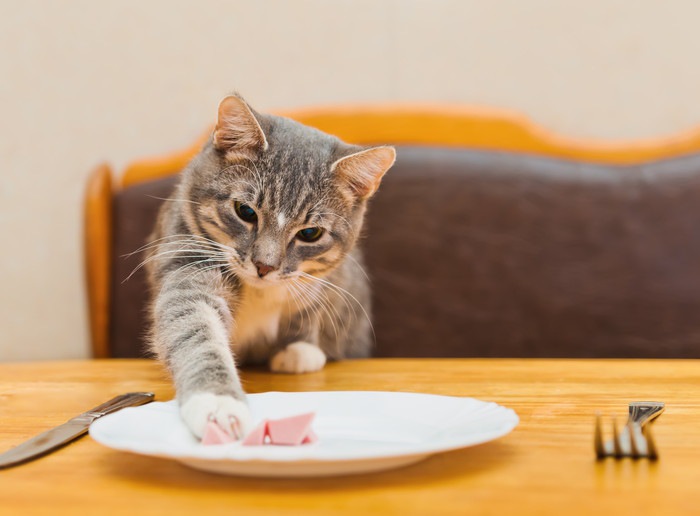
<point>255,257</point>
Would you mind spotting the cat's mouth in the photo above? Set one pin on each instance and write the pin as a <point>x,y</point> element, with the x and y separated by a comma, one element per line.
<point>272,279</point>
<point>254,281</point>
<point>253,276</point>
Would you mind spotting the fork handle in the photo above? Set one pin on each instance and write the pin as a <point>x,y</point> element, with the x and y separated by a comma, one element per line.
<point>643,412</point>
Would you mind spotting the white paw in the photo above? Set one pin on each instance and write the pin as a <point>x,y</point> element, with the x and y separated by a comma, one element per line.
<point>298,357</point>
<point>225,410</point>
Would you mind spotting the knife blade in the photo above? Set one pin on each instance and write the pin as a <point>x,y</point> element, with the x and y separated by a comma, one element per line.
<point>72,429</point>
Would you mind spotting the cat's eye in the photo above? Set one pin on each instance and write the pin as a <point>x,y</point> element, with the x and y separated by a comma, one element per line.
<point>309,234</point>
<point>245,212</point>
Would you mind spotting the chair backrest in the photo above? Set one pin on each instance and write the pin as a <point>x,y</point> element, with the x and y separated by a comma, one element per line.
<point>488,238</point>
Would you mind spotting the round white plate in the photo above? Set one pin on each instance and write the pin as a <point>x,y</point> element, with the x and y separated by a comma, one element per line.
<point>359,431</point>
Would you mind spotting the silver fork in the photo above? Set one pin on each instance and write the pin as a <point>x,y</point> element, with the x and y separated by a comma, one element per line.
<point>635,439</point>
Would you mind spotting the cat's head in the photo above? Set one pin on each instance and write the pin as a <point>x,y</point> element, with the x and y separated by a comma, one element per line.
<point>286,199</point>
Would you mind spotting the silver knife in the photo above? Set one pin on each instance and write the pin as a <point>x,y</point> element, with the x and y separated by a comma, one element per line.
<point>71,429</point>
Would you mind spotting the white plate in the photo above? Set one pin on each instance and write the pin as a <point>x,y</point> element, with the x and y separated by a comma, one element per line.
<point>359,431</point>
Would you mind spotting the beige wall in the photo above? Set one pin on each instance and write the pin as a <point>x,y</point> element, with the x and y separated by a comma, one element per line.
<point>85,81</point>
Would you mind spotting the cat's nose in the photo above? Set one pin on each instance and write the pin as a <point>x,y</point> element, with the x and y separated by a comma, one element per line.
<point>264,269</point>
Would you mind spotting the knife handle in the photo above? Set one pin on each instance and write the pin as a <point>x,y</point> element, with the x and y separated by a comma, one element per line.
<point>130,399</point>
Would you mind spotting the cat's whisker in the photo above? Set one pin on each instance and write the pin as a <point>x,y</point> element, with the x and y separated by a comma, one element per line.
<point>146,247</point>
<point>219,245</point>
<point>189,236</point>
<point>260,183</point>
<point>245,196</point>
<point>172,200</point>
<point>332,307</point>
<point>321,298</point>
<point>178,252</point>
<point>189,246</point>
<point>303,303</point>
<point>187,276</point>
<point>343,293</point>
<point>323,306</point>
<point>196,241</point>
<point>343,219</point>
<point>231,270</point>
<point>194,264</point>
<point>178,239</point>
<point>209,241</point>
<point>258,175</point>
<point>289,306</point>
<point>194,246</point>
<point>294,295</point>
<point>343,298</point>
<point>309,303</point>
<point>335,309</point>
<point>321,200</point>
<point>362,270</point>
<point>319,310</point>
<point>188,249</point>
<point>202,269</point>
<point>307,300</point>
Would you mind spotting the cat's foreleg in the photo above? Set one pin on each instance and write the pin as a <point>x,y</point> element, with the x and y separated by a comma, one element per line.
<point>191,321</point>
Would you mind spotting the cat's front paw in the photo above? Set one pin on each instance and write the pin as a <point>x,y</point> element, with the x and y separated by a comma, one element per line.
<point>298,357</point>
<point>227,411</point>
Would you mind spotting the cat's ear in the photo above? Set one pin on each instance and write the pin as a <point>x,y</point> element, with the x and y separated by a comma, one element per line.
<point>238,132</point>
<point>363,170</point>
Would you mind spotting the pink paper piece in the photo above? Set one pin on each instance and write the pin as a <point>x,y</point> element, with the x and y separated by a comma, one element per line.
<point>257,436</point>
<point>213,434</point>
<point>310,438</point>
<point>290,430</point>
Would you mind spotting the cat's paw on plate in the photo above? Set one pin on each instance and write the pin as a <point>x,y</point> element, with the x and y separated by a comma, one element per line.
<point>298,357</point>
<point>203,407</point>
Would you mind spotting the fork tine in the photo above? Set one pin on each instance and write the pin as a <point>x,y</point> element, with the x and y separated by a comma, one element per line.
<point>634,440</point>
<point>598,438</point>
<point>634,445</point>
<point>651,445</point>
<point>616,440</point>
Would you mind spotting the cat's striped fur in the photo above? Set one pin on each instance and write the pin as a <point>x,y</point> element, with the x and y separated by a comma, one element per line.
<point>227,290</point>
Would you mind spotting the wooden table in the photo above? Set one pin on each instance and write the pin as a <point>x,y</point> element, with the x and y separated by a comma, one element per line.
<point>546,466</point>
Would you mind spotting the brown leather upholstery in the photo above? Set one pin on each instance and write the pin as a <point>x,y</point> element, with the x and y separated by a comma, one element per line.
<point>495,254</point>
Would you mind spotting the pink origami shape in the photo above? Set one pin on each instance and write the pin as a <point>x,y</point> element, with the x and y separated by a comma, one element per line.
<point>257,436</point>
<point>213,434</point>
<point>291,430</point>
<point>310,438</point>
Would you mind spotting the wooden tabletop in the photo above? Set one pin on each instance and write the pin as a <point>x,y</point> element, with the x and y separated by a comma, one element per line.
<point>546,466</point>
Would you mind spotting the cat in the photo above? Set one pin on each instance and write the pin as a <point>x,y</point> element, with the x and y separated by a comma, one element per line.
<point>255,260</point>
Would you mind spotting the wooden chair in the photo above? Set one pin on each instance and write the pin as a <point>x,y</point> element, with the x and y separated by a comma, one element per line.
<point>435,126</point>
